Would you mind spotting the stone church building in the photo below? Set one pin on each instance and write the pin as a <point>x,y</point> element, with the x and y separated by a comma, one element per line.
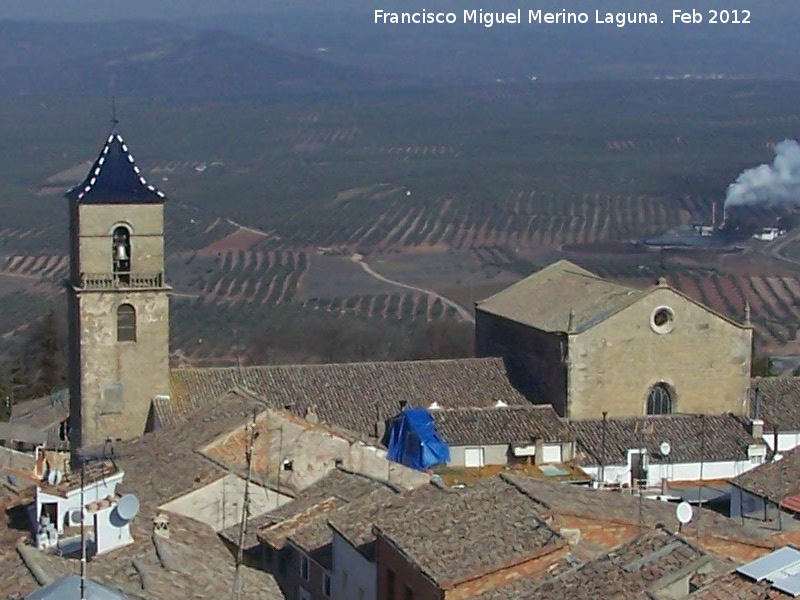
<point>118,301</point>
<point>563,336</point>
<point>587,346</point>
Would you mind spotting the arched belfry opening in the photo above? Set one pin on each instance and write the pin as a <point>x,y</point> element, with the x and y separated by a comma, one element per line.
<point>121,253</point>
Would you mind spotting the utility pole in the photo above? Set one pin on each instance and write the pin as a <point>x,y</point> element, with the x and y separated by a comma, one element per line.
<point>245,507</point>
<point>83,532</point>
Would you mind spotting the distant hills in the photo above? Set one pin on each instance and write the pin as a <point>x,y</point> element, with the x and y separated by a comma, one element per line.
<point>304,48</point>
<point>157,60</point>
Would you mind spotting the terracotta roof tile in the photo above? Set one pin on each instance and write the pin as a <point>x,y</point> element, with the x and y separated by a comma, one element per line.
<point>733,585</point>
<point>628,571</point>
<point>617,507</point>
<point>563,292</point>
<point>779,399</point>
<point>691,437</point>
<point>773,480</point>
<point>469,531</point>
<point>500,425</point>
<point>352,396</point>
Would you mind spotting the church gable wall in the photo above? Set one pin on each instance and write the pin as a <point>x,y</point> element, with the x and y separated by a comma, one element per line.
<point>703,359</point>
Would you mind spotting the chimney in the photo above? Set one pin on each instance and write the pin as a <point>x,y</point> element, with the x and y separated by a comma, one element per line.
<point>713,213</point>
<point>757,429</point>
<point>311,415</point>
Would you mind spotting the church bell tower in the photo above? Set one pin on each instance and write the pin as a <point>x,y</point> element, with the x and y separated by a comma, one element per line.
<point>118,300</point>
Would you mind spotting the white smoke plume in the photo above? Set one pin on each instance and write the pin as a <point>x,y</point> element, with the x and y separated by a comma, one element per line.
<point>769,184</point>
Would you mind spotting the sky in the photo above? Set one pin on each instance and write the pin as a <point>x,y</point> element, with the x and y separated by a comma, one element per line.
<point>105,10</point>
<point>110,10</point>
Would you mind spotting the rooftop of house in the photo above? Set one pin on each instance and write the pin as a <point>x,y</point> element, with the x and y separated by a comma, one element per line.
<point>355,521</point>
<point>628,509</point>
<point>43,413</point>
<point>650,562</point>
<point>93,472</point>
<point>158,467</point>
<point>353,396</point>
<point>778,402</point>
<point>500,425</point>
<point>463,532</point>
<point>776,481</point>
<point>337,488</point>
<point>568,299</point>
<point>304,520</point>
<point>733,585</point>
<point>692,438</point>
<point>114,178</point>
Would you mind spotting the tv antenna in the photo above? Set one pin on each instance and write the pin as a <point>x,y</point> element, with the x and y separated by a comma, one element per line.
<point>235,593</point>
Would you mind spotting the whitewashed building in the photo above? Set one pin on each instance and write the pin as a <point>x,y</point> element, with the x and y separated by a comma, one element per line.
<point>654,451</point>
<point>64,503</point>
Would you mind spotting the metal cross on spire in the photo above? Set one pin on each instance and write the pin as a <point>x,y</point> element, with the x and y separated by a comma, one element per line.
<point>114,119</point>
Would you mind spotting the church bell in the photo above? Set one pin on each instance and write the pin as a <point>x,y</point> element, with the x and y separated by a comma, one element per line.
<point>120,253</point>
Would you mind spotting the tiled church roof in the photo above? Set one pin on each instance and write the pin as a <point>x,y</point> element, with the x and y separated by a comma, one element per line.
<point>567,298</point>
<point>115,179</point>
<point>354,396</point>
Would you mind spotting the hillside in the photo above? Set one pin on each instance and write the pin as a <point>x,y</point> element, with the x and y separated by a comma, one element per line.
<point>155,60</point>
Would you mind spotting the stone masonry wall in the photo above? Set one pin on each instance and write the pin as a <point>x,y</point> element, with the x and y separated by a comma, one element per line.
<point>704,359</point>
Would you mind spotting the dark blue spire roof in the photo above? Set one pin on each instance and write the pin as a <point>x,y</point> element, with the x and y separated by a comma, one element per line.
<point>115,179</point>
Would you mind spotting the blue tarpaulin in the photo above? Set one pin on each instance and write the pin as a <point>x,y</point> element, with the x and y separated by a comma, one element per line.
<point>414,441</point>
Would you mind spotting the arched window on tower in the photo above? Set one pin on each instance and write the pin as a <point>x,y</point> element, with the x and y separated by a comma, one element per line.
<point>126,323</point>
<point>659,400</point>
<point>121,254</point>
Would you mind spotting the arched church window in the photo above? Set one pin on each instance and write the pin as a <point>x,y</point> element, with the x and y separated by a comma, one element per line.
<point>121,253</point>
<point>126,323</point>
<point>659,400</point>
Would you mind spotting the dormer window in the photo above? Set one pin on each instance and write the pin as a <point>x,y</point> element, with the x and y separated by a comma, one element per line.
<point>121,253</point>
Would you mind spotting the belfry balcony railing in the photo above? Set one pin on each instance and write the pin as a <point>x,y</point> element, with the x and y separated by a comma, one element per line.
<point>120,281</point>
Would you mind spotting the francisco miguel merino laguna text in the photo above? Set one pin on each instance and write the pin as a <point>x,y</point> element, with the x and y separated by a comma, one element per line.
<point>488,19</point>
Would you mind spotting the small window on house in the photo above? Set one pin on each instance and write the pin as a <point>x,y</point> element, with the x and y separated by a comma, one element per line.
<point>659,400</point>
<point>326,585</point>
<point>304,568</point>
<point>126,323</point>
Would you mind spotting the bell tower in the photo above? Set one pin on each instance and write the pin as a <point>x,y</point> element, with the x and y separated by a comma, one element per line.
<point>118,300</point>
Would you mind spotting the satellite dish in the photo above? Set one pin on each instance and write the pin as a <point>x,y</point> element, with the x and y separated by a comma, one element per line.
<point>54,477</point>
<point>684,512</point>
<point>128,507</point>
<point>665,448</point>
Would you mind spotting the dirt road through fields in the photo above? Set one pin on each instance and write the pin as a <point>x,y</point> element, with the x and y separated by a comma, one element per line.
<point>463,313</point>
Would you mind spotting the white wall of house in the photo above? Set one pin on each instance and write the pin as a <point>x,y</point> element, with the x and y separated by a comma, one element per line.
<point>786,440</point>
<point>656,472</point>
<point>352,573</point>
<point>551,453</point>
<point>462,456</point>
<point>94,491</point>
<point>110,532</point>
<point>219,504</point>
